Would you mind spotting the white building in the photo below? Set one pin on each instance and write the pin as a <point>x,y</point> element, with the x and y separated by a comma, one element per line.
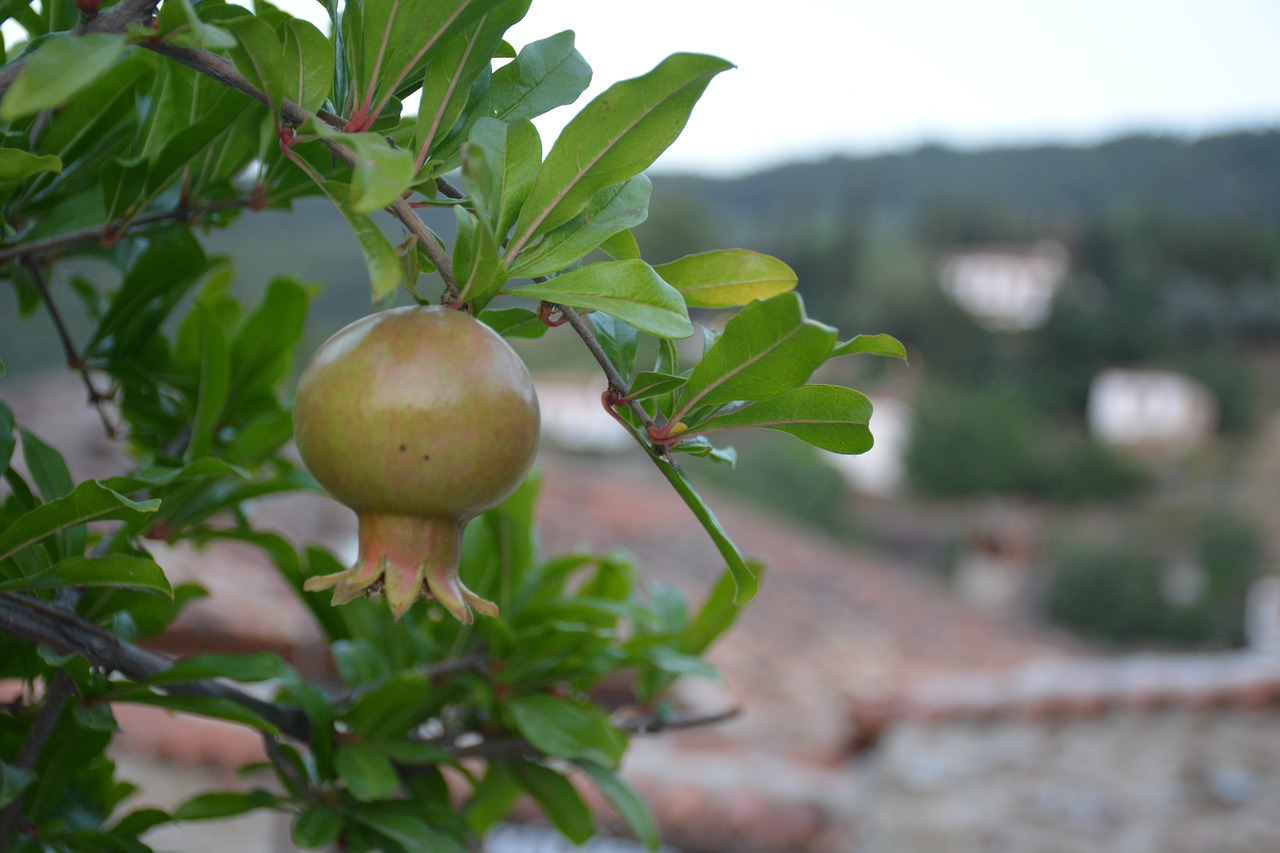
<point>1010,288</point>
<point>1151,408</point>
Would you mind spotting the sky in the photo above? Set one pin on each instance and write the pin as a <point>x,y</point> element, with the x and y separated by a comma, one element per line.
<point>816,77</point>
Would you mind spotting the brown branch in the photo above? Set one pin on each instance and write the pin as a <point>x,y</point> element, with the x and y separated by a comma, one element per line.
<point>39,622</point>
<point>617,384</point>
<point>114,20</point>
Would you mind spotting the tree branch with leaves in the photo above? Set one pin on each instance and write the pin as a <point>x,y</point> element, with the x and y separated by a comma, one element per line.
<point>130,130</point>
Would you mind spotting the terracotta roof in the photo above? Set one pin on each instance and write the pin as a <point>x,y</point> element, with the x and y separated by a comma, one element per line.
<point>1080,688</point>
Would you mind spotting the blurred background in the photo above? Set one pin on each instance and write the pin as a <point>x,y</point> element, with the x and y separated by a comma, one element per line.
<point>1055,574</point>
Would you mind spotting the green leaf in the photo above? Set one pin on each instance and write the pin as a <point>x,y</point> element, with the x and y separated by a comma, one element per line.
<point>246,668</point>
<point>307,65</point>
<point>366,772</point>
<point>385,42</point>
<point>259,57</point>
<point>564,729</point>
<point>204,706</point>
<point>7,440</point>
<point>114,570</point>
<point>745,579</point>
<point>215,382</point>
<point>381,173</point>
<point>17,165</point>
<point>613,209</point>
<point>492,799</point>
<point>178,17</point>
<point>626,801</point>
<point>546,74</point>
<point>450,71</point>
<point>558,799</point>
<point>477,267</point>
<point>58,69</point>
<point>514,322</point>
<point>47,467</point>
<point>13,781</point>
<point>628,290</point>
<point>827,416</point>
<point>263,347</point>
<point>650,384</point>
<point>318,825</point>
<point>89,501</point>
<point>385,271</point>
<point>620,342</point>
<point>223,804</point>
<point>727,278</point>
<point>885,345</point>
<point>500,163</point>
<point>766,350</point>
<point>405,824</point>
<point>621,246</point>
<point>391,708</point>
<point>618,135</point>
<point>717,614</point>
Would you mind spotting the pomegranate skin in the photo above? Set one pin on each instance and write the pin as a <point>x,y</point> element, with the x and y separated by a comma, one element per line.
<point>418,419</point>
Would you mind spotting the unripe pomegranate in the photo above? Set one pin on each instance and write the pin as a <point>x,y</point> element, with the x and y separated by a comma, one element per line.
<point>418,419</point>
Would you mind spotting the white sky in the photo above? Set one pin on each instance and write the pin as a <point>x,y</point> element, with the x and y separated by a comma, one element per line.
<point>816,77</point>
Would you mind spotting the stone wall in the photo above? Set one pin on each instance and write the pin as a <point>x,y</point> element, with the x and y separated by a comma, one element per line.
<point>1173,780</point>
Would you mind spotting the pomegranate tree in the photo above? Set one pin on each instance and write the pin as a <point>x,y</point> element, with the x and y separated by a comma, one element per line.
<point>418,419</point>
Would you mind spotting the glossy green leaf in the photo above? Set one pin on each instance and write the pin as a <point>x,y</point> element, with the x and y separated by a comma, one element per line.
<point>217,805</point>
<point>633,809</point>
<point>159,476</point>
<point>621,246</point>
<point>89,501</point>
<point>367,774</point>
<point>13,781</point>
<point>514,322</point>
<point>46,466</point>
<point>205,706</point>
<point>385,271</point>
<point>114,570</point>
<point>492,799</point>
<point>558,799</point>
<point>620,342</point>
<point>58,69</point>
<point>745,578</point>
<point>381,173</point>
<point>385,42</point>
<point>500,162</point>
<point>405,824</point>
<point>215,382</point>
<point>318,825</point>
<point>262,349</point>
<point>628,290</point>
<point>259,57</point>
<point>565,729</point>
<point>545,74</point>
<point>616,136</point>
<point>650,384</point>
<point>884,345</point>
<point>391,708</point>
<point>612,210</point>
<point>727,278</point>
<point>450,71</point>
<point>179,24</point>
<point>827,416</point>
<point>767,349</point>
<point>17,165</point>
<point>307,64</point>
<point>246,668</point>
<point>477,264</point>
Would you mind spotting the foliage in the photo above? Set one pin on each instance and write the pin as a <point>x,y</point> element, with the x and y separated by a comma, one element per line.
<point>1123,594</point>
<point>129,133</point>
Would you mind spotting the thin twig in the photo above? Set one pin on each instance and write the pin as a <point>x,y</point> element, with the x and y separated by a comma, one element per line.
<point>55,700</point>
<point>47,245</point>
<point>96,398</point>
<point>617,384</point>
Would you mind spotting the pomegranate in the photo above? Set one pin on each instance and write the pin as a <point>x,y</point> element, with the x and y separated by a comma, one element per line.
<point>418,419</point>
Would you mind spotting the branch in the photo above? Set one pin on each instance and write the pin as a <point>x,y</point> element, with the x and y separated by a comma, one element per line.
<point>114,20</point>
<point>225,72</point>
<point>34,621</point>
<point>46,720</point>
